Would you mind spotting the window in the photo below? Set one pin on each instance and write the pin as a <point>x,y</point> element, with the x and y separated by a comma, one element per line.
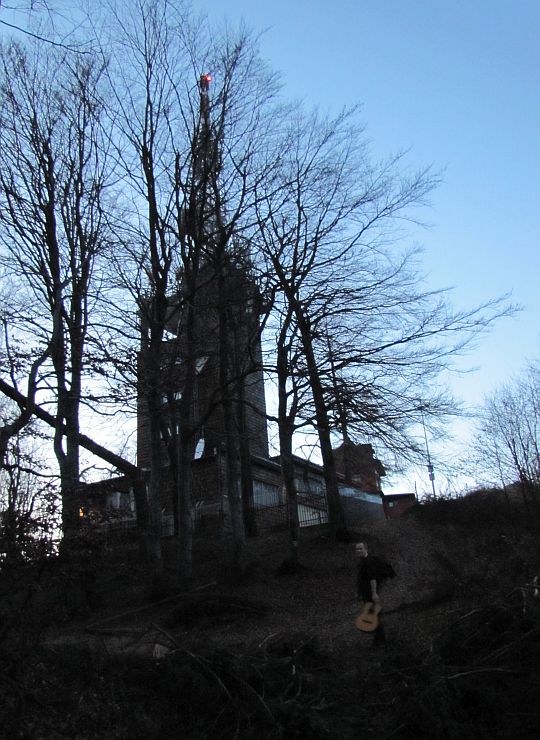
<point>199,449</point>
<point>265,494</point>
<point>168,428</point>
<point>123,501</point>
<point>164,397</point>
<point>200,363</point>
<point>310,486</point>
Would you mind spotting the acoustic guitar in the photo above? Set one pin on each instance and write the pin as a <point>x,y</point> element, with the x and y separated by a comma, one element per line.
<point>368,619</point>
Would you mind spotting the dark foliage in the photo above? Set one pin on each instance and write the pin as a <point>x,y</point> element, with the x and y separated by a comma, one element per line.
<point>203,693</point>
<point>477,509</point>
<point>477,676</point>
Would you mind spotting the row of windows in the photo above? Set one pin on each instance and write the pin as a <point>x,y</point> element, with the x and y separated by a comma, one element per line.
<point>264,494</point>
<point>268,494</point>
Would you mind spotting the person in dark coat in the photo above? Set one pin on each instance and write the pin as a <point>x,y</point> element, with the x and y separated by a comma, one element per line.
<point>369,584</point>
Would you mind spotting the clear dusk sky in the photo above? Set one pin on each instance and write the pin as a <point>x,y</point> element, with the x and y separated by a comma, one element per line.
<point>458,83</point>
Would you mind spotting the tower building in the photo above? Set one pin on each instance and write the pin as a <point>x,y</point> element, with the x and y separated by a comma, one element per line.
<point>211,385</point>
<point>213,446</point>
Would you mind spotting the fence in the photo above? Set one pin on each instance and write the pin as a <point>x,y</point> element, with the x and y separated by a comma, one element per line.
<point>210,518</point>
<point>312,511</point>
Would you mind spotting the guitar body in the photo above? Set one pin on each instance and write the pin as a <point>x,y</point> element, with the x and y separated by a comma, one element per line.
<point>368,619</point>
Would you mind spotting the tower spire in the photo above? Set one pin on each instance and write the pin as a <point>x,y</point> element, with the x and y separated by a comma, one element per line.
<point>206,163</point>
<point>204,86</point>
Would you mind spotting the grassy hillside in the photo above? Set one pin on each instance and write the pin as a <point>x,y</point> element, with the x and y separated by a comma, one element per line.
<point>89,649</point>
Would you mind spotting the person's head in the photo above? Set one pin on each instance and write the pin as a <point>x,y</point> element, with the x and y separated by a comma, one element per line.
<point>361,549</point>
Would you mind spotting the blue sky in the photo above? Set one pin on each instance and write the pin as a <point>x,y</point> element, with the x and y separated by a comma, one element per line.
<point>457,82</point>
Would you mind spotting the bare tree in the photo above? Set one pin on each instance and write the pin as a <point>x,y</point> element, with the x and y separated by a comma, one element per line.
<point>191,146</point>
<point>508,446</point>
<point>52,180</point>
<point>15,359</point>
<point>43,21</point>
<point>359,326</point>
<point>331,201</point>
<point>387,340</point>
<point>28,497</point>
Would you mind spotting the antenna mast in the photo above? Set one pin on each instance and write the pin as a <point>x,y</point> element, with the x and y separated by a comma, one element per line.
<point>429,463</point>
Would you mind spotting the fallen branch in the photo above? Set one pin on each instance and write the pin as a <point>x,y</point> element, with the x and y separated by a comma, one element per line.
<point>96,449</point>
<point>93,628</point>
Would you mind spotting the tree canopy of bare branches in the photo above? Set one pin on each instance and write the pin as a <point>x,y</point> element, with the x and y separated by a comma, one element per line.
<point>52,179</point>
<point>508,437</point>
<point>136,184</point>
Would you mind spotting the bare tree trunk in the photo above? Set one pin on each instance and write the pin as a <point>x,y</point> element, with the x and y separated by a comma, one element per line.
<point>336,517</point>
<point>289,483</point>
<point>286,431</point>
<point>153,533</point>
<point>151,365</point>
<point>185,517</point>
<point>185,442</point>
<point>246,475</point>
<point>232,475</point>
<point>12,429</point>
<point>89,444</point>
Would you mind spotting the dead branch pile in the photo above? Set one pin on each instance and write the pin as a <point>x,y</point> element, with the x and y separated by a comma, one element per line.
<point>481,677</point>
<point>287,690</point>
